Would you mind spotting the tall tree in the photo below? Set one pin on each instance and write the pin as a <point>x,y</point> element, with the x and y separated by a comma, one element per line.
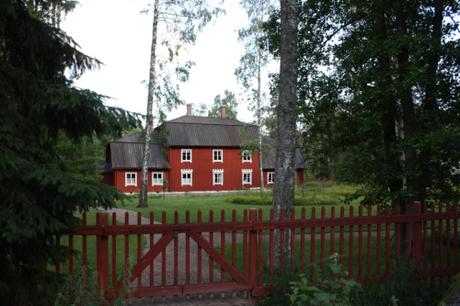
<point>40,191</point>
<point>228,100</point>
<point>378,87</point>
<point>143,196</point>
<point>284,185</point>
<point>252,62</point>
<point>181,20</point>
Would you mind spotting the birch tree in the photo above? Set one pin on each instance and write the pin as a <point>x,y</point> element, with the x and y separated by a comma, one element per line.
<point>180,21</point>
<point>252,62</point>
<point>284,185</point>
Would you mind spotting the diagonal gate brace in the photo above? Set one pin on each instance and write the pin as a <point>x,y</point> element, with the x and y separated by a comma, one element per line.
<point>237,275</point>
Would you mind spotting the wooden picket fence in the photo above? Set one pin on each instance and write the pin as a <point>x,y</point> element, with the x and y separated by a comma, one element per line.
<point>223,254</point>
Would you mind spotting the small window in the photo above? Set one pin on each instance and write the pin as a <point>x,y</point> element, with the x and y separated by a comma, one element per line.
<point>218,177</point>
<point>186,177</point>
<point>217,156</point>
<point>247,176</point>
<point>246,156</point>
<point>157,178</point>
<point>130,179</point>
<point>270,177</point>
<point>186,155</point>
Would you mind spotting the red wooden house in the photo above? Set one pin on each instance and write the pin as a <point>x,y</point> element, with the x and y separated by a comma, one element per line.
<point>196,154</point>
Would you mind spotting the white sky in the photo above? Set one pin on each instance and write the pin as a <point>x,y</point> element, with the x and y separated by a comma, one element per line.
<point>116,33</point>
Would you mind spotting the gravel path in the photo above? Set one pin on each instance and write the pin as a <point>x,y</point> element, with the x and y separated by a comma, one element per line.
<point>220,299</point>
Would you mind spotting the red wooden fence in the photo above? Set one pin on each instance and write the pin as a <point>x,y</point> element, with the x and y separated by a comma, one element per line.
<point>224,254</point>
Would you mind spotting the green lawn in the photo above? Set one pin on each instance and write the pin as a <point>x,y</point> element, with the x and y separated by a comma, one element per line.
<point>312,195</point>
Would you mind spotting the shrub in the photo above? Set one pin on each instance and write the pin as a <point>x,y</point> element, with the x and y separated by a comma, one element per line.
<point>81,290</point>
<point>403,288</point>
<point>330,286</point>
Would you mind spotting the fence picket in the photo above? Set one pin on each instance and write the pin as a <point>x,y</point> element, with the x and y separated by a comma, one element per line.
<point>312,243</point>
<point>351,237</point>
<point>152,263</point>
<point>302,242</point>
<point>211,241</point>
<point>114,251</point>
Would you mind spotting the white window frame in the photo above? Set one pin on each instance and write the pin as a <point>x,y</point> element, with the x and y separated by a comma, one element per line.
<point>245,154</point>
<point>214,173</point>
<point>270,174</point>
<point>158,181</point>
<point>132,181</point>
<point>182,151</point>
<point>221,160</point>
<point>186,183</point>
<point>246,171</point>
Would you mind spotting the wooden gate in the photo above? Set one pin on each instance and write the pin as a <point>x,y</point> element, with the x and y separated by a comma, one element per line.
<point>177,259</point>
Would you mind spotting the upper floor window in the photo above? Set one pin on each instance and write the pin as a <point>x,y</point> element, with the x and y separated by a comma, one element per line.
<point>217,156</point>
<point>186,177</point>
<point>186,155</point>
<point>247,176</point>
<point>270,177</point>
<point>130,179</point>
<point>157,178</point>
<point>218,177</point>
<point>246,156</point>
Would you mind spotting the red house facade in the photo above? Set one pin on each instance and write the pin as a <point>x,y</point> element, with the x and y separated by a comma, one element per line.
<point>193,153</point>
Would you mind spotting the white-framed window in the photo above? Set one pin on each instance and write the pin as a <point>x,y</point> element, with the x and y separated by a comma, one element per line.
<point>218,176</point>
<point>186,177</point>
<point>186,155</point>
<point>270,177</point>
<point>130,179</point>
<point>246,156</point>
<point>157,178</point>
<point>247,176</point>
<point>217,156</point>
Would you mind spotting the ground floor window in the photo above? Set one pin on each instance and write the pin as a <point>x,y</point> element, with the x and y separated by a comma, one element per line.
<point>186,175</point>
<point>130,179</point>
<point>247,176</point>
<point>270,177</point>
<point>218,177</point>
<point>157,178</point>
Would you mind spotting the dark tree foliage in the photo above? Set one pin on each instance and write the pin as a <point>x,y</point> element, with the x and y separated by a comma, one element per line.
<point>379,93</point>
<point>38,189</point>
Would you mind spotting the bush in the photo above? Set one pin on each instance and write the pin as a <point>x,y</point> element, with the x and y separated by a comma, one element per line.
<point>402,288</point>
<point>330,286</point>
<point>75,291</point>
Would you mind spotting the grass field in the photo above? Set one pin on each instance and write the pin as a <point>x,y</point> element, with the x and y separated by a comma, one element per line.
<point>312,195</point>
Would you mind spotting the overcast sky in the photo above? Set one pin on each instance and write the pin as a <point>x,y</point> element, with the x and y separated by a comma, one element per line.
<point>116,33</point>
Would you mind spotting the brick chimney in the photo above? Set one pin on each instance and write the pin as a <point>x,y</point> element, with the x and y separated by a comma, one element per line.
<point>223,112</point>
<point>189,109</point>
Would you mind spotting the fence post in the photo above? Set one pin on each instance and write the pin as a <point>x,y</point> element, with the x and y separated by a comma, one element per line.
<point>253,249</point>
<point>102,253</point>
<point>416,210</point>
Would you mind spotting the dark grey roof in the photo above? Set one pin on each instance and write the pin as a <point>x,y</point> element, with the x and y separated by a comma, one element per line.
<point>269,155</point>
<point>194,131</point>
<point>128,155</point>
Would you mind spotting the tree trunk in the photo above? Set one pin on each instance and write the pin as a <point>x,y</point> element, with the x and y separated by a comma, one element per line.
<point>430,119</point>
<point>284,187</point>
<point>405,95</point>
<point>143,199</point>
<point>387,104</point>
<point>259,119</point>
